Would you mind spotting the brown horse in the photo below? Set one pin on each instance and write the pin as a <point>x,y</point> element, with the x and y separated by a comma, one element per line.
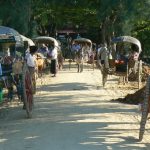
<point>40,63</point>
<point>60,61</point>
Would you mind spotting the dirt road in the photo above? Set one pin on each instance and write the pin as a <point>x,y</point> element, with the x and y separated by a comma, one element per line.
<point>73,112</point>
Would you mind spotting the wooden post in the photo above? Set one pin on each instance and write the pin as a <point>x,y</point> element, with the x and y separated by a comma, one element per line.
<point>139,73</point>
<point>145,107</point>
<point>127,75</point>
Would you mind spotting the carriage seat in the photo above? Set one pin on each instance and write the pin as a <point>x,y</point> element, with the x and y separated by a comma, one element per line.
<point>121,66</point>
<point>118,65</point>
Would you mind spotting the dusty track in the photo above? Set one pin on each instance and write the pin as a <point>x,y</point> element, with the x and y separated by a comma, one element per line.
<point>74,112</point>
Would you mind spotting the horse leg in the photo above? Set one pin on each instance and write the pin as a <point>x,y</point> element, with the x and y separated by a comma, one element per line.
<point>39,73</point>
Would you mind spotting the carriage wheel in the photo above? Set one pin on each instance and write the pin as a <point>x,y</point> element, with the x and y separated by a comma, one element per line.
<point>27,91</point>
<point>145,109</point>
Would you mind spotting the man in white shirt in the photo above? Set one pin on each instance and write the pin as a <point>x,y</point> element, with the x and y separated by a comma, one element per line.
<point>103,56</point>
<point>53,67</point>
<point>99,48</point>
<point>31,60</point>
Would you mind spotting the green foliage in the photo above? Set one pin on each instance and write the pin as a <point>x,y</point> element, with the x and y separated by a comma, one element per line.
<point>142,32</point>
<point>15,14</point>
<point>111,17</point>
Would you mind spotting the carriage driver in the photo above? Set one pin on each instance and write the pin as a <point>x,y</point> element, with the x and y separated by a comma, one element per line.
<point>31,60</point>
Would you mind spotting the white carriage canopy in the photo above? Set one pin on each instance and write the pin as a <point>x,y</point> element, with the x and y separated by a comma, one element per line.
<point>128,39</point>
<point>8,35</point>
<point>11,42</point>
<point>46,39</point>
<point>30,42</point>
<point>83,40</point>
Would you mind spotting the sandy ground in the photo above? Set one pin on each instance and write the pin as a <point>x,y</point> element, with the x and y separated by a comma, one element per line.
<point>74,112</point>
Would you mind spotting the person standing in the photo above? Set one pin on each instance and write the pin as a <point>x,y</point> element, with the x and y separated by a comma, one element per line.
<point>32,65</point>
<point>53,67</point>
<point>31,60</point>
<point>133,61</point>
<point>103,56</point>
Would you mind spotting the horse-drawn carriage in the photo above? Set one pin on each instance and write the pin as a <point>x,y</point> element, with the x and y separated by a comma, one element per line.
<point>45,45</point>
<point>123,59</point>
<point>50,42</point>
<point>84,53</point>
<point>27,41</point>
<point>14,73</point>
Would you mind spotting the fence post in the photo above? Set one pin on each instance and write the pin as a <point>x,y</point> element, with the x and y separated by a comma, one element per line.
<point>139,73</point>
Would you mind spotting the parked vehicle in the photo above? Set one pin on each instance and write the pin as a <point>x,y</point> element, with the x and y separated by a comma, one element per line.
<point>14,71</point>
<point>85,53</point>
<point>45,45</point>
<point>124,59</point>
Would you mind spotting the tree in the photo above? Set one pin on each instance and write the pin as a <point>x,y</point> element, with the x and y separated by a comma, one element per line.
<point>142,32</point>
<point>97,17</point>
<point>56,14</point>
<point>15,14</point>
<point>118,17</point>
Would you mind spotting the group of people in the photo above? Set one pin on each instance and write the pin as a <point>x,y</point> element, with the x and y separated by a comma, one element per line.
<point>48,53</point>
<point>80,52</point>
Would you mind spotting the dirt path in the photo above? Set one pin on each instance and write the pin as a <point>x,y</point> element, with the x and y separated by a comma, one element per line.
<point>74,112</point>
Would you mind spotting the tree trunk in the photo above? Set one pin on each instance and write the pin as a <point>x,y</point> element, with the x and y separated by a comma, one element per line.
<point>103,32</point>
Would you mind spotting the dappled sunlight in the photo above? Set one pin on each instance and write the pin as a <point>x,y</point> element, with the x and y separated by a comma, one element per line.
<point>91,143</point>
<point>73,114</point>
<point>94,118</point>
<point>113,140</point>
<point>115,137</point>
<point>3,140</point>
<point>31,137</point>
<point>65,87</point>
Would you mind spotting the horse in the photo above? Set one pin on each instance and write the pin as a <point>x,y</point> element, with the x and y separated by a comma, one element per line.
<point>40,64</point>
<point>79,60</point>
<point>60,61</point>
